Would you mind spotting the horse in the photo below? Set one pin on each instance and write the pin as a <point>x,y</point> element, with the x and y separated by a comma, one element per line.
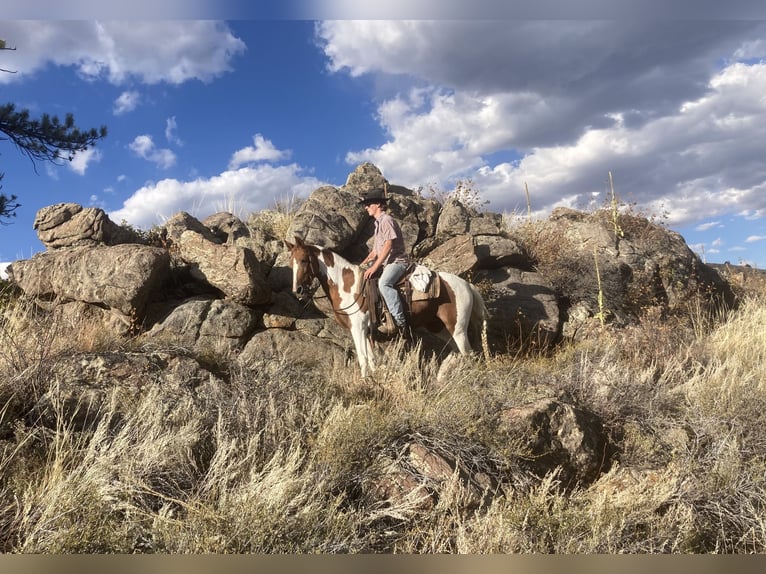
<point>457,312</point>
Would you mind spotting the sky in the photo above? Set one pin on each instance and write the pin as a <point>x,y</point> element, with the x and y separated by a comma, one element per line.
<point>240,115</point>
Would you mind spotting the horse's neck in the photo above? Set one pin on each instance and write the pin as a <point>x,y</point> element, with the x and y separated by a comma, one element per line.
<point>340,264</point>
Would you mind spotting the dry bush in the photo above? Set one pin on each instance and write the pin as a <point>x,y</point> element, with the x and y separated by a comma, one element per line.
<point>573,276</point>
<point>275,222</point>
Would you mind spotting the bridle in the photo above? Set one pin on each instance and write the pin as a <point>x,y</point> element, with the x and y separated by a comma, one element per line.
<point>313,273</point>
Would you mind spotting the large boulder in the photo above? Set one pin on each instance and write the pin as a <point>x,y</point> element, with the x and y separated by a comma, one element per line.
<point>558,436</point>
<point>233,270</point>
<point>121,277</point>
<point>69,224</point>
<point>202,324</point>
<point>523,309</point>
<point>330,217</point>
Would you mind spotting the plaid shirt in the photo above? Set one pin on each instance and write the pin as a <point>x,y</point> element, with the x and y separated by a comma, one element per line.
<point>386,227</point>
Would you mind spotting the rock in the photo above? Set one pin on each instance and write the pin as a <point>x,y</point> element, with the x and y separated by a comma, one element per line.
<point>523,309</point>
<point>294,346</point>
<point>226,227</point>
<point>456,255</point>
<point>420,474</point>
<point>560,436</point>
<point>203,325</point>
<point>233,270</point>
<point>330,217</point>
<point>122,277</point>
<point>69,224</point>
<point>87,382</point>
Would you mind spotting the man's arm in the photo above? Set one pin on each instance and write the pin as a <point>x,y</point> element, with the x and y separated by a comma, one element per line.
<point>379,259</point>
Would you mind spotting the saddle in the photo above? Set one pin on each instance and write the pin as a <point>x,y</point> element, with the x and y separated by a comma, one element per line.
<point>418,283</point>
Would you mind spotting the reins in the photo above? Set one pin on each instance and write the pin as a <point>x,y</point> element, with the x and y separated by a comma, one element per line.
<point>340,311</point>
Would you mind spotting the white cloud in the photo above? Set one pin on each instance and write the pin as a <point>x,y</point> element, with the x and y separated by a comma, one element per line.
<point>126,102</point>
<point>83,159</point>
<point>755,238</point>
<point>148,51</point>
<point>143,146</point>
<point>708,226</point>
<point>681,134</point>
<point>3,269</point>
<point>170,131</point>
<point>262,151</point>
<point>248,189</point>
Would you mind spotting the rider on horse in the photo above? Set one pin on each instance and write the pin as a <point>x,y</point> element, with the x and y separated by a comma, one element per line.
<point>389,254</point>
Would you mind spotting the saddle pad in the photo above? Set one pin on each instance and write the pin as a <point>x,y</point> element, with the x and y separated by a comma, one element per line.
<point>431,292</point>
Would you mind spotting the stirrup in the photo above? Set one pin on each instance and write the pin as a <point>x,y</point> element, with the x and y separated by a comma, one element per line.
<point>389,328</point>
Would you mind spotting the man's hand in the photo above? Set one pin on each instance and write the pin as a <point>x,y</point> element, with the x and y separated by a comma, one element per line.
<point>370,271</point>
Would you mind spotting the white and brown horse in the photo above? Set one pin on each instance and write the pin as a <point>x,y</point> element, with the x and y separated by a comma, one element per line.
<point>457,313</point>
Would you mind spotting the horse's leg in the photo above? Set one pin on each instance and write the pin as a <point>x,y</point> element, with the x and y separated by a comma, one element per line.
<point>360,330</point>
<point>463,345</point>
<point>463,302</point>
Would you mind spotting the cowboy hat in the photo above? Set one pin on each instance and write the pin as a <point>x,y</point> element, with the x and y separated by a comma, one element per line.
<point>374,196</point>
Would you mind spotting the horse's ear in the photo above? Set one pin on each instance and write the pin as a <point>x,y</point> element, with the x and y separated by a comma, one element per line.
<point>299,241</point>
<point>288,245</point>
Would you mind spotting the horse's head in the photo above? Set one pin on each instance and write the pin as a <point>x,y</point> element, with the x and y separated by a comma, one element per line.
<point>303,260</point>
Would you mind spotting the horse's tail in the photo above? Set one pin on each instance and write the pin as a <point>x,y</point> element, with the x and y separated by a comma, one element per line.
<point>479,319</point>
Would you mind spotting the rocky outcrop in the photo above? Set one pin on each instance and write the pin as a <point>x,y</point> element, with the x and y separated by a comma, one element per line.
<point>86,385</point>
<point>223,282</point>
<point>615,266</point>
<point>221,286</point>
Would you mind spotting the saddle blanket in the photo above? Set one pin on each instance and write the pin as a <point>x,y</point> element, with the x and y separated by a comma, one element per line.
<point>423,284</point>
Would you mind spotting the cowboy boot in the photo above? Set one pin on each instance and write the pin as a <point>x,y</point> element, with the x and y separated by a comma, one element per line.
<point>387,325</point>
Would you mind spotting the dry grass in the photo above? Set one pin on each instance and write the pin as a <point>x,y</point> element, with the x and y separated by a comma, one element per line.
<point>280,459</point>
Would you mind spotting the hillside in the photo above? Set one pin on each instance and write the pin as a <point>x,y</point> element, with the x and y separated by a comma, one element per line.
<point>144,410</point>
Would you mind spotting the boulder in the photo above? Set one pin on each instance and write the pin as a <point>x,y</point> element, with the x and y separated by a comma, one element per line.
<point>523,309</point>
<point>560,437</point>
<point>294,346</point>
<point>202,324</point>
<point>121,277</point>
<point>233,270</point>
<point>456,255</point>
<point>69,224</point>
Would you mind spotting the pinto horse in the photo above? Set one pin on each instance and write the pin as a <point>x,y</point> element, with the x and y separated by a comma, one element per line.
<point>458,311</point>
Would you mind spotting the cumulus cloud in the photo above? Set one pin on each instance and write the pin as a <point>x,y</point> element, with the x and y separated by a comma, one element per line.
<point>262,151</point>
<point>143,146</point>
<point>245,190</point>
<point>557,105</point>
<point>126,102</point>
<point>83,159</point>
<point>122,50</point>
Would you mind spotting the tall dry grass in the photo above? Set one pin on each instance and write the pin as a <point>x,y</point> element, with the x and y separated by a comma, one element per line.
<point>280,459</point>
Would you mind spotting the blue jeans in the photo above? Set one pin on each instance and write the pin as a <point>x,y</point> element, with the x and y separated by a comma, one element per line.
<point>391,273</point>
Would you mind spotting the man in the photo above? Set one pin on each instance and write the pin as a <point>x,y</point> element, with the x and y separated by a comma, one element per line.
<point>389,254</point>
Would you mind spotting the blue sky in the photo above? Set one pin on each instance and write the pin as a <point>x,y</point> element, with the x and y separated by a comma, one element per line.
<point>235,115</point>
